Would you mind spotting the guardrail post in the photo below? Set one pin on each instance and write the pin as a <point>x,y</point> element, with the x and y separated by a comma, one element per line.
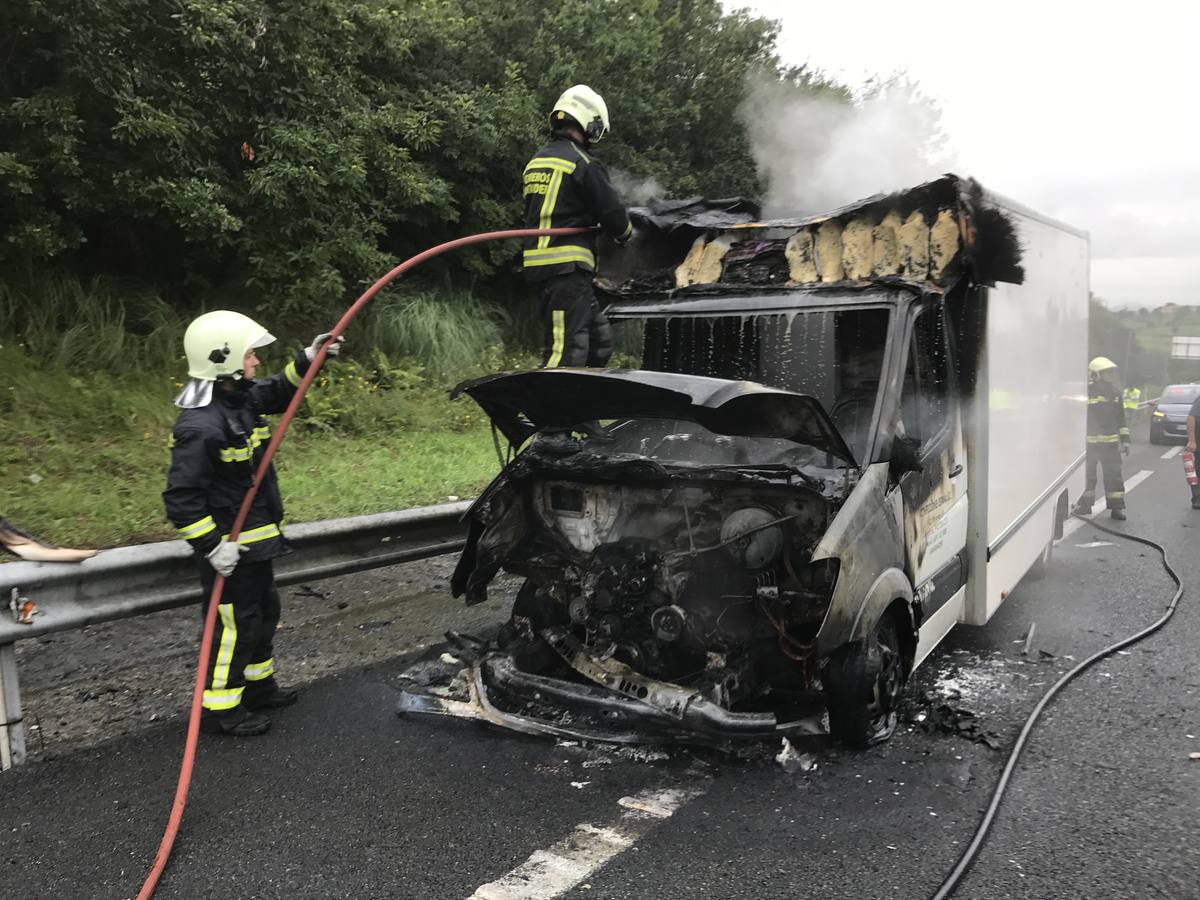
<point>12,726</point>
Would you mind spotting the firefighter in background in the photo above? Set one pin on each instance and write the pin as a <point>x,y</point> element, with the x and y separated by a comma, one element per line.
<point>1133,399</point>
<point>1107,439</point>
<point>216,445</point>
<point>565,186</point>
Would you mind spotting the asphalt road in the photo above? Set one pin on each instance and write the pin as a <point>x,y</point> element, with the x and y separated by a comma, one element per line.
<point>343,799</point>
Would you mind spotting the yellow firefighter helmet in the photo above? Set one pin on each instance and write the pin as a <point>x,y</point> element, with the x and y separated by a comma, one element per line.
<point>218,341</point>
<point>1101,364</point>
<point>586,107</point>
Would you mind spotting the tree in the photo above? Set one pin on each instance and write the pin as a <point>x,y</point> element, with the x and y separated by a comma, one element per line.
<point>286,151</point>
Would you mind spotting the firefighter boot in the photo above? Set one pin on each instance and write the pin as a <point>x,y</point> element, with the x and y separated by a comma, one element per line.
<point>1118,514</point>
<point>236,722</point>
<point>260,696</point>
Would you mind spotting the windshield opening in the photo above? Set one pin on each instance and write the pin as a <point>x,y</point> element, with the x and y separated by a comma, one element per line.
<point>834,356</point>
<point>685,443</point>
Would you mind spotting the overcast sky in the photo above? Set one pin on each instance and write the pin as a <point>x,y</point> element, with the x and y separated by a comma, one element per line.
<point>1085,111</point>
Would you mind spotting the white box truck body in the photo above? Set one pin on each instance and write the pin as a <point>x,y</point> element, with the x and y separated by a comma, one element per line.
<point>841,436</point>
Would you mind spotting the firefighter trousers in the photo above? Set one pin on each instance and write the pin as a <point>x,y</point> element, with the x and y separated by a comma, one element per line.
<point>242,653</point>
<point>1107,456</point>
<point>576,330</point>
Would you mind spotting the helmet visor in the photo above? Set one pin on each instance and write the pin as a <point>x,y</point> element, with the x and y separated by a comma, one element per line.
<point>267,338</point>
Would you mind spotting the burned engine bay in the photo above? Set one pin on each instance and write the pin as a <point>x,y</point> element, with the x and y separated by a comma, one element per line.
<point>670,591</point>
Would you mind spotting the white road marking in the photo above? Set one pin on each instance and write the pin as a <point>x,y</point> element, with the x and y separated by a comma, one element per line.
<point>1173,452</point>
<point>554,871</point>
<point>1074,524</point>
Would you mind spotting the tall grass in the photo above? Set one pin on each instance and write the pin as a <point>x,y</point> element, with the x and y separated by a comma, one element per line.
<point>103,325</point>
<point>446,331</point>
<point>114,326</point>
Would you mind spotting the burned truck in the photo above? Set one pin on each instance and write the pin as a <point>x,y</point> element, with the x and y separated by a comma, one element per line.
<point>831,439</point>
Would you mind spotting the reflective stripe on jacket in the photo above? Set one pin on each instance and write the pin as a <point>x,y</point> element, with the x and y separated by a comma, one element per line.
<point>564,187</point>
<point>215,450</point>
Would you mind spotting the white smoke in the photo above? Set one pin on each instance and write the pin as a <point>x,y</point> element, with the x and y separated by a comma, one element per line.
<point>636,191</point>
<point>815,153</point>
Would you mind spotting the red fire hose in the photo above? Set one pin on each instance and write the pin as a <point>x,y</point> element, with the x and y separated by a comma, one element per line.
<point>193,732</point>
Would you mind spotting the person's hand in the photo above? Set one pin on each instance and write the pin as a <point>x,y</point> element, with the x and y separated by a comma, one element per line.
<point>335,346</point>
<point>1125,447</point>
<point>224,557</point>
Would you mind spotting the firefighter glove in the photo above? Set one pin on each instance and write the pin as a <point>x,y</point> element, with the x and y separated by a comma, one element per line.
<point>335,346</point>
<point>224,558</point>
<point>1125,447</point>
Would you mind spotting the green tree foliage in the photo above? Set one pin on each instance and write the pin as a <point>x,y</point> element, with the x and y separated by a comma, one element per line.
<point>287,151</point>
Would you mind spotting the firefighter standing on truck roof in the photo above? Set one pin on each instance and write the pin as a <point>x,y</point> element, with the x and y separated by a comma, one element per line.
<point>1107,439</point>
<point>564,186</point>
<point>216,445</point>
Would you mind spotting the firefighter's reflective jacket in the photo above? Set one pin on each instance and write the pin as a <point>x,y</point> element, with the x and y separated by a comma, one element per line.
<point>566,188</point>
<point>1133,396</point>
<point>1106,415</point>
<point>215,450</point>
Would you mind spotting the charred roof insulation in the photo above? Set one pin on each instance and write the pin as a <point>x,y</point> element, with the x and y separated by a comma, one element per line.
<point>932,235</point>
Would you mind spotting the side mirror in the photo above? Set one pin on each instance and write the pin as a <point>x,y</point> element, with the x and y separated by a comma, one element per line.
<point>904,457</point>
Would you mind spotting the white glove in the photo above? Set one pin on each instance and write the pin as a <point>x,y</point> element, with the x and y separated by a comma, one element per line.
<point>335,346</point>
<point>224,557</point>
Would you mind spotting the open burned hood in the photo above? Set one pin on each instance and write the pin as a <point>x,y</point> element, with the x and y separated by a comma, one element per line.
<point>520,403</point>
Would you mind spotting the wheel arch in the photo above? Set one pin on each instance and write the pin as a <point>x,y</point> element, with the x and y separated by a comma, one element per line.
<point>890,595</point>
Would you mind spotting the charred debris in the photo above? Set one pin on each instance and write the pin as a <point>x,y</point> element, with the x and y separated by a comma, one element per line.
<point>671,591</point>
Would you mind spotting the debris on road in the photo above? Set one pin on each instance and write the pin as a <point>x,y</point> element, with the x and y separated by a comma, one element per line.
<point>793,760</point>
<point>939,715</point>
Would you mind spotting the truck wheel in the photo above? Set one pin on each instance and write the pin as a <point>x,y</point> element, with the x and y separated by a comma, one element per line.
<point>863,681</point>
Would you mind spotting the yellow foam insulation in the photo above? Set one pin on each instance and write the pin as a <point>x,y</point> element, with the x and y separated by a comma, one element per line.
<point>801,256</point>
<point>943,244</point>
<point>885,259</point>
<point>912,244</point>
<point>829,251</point>
<point>702,265</point>
<point>857,251</point>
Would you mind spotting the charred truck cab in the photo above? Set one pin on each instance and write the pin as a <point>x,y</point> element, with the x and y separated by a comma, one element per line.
<point>843,435</point>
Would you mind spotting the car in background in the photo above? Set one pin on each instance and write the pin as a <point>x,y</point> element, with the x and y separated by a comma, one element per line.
<point>1169,416</point>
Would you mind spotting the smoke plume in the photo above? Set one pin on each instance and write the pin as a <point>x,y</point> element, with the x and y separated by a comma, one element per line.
<point>815,153</point>
<point>636,191</point>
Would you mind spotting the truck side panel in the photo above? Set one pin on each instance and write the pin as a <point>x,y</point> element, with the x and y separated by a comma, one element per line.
<point>1029,409</point>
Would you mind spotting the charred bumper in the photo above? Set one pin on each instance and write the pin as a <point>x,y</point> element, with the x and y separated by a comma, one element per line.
<point>495,690</point>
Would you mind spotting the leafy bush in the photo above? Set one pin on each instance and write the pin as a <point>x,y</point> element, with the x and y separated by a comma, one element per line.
<point>287,152</point>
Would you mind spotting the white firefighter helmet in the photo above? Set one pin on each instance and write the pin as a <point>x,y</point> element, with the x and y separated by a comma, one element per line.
<point>218,341</point>
<point>1101,364</point>
<point>586,107</point>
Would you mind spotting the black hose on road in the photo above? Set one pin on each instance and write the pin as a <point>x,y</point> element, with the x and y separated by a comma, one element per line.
<point>964,862</point>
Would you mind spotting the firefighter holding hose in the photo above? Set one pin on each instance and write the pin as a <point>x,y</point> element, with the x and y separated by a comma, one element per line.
<point>565,186</point>
<point>1107,438</point>
<point>216,445</point>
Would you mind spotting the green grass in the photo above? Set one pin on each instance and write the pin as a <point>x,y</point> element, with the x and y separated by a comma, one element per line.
<point>88,371</point>
<point>96,448</point>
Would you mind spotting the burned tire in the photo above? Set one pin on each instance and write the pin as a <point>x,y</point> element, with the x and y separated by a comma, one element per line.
<point>863,684</point>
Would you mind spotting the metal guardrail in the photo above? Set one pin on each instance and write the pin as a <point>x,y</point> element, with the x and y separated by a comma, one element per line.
<point>132,581</point>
